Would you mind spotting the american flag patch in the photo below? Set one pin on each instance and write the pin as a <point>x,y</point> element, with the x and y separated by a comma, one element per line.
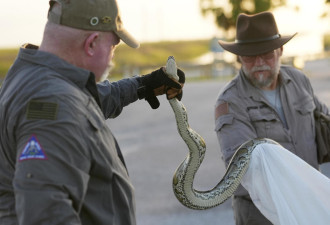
<point>41,110</point>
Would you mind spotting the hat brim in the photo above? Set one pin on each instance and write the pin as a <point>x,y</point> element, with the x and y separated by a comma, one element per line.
<point>127,38</point>
<point>257,48</point>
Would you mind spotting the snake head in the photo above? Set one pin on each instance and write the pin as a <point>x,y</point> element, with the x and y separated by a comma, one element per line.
<point>171,68</point>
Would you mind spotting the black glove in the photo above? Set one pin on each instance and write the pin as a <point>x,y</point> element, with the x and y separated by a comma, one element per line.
<point>158,82</point>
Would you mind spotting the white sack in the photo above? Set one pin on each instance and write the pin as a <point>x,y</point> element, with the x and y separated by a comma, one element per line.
<point>286,189</point>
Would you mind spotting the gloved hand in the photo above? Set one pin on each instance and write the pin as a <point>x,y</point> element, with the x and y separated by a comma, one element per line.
<point>158,83</point>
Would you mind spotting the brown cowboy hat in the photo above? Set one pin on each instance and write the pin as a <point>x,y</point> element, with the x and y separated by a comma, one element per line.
<point>255,34</point>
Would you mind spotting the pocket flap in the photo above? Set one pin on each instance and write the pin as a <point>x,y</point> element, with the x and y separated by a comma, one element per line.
<point>257,115</point>
<point>305,106</point>
<point>223,120</point>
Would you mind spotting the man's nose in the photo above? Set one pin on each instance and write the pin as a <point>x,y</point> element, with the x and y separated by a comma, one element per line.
<point>259,61</point>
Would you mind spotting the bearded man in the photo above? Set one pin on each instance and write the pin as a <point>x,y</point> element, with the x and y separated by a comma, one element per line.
<point>265,100</point>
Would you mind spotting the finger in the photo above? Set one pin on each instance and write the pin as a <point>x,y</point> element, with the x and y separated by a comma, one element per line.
<point>179,96</point>
<point>152,99</point>
<point>182,77</point>
<point>171,83</point>
<point>160,90</point>
<point>172,93</point>
<point>153,102</point>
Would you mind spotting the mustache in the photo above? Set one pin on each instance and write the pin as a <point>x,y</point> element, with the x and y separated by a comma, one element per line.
<point>260,68</point>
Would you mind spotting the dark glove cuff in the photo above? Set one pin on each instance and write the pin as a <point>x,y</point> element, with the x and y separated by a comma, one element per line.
<point>141,92</point>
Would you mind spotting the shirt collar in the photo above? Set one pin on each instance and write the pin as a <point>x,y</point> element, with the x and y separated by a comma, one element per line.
<point>77,75</point>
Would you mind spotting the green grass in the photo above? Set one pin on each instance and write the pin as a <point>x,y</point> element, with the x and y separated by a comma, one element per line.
<point>7,57</point>
<point>154,55</point>
<point>326,41</point>
<point>148,56</point>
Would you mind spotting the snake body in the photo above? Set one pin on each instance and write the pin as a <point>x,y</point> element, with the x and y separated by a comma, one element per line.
<point>184,175</point>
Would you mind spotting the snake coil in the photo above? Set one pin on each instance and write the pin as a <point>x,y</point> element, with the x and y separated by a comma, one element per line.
<point>184,175</point>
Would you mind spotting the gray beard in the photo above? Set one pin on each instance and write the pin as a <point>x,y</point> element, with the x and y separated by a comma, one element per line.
<point>262,81</point>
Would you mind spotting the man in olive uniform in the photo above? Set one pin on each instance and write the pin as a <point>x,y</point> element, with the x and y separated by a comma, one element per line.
<point>60,163</point>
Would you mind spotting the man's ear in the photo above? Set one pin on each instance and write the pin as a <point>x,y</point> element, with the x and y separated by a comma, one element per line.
<point>90,43</point>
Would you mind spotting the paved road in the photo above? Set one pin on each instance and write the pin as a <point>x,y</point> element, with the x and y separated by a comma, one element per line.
<point>153,150</point>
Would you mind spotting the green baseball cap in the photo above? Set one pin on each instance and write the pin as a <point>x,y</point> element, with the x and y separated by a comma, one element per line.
<point>95,15</point>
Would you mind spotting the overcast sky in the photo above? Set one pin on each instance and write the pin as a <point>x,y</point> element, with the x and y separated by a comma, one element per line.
<point>23,21</point>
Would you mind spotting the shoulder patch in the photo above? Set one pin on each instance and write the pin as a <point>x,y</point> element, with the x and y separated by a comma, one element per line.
<point>221,110</point>
<point>32,150</point>
<point>41,110</point>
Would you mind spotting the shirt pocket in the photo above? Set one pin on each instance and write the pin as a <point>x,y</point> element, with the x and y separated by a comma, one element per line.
<point>305,106</point>
<point>264,114</point>
<point>305,117</point>
<point>264,120</point>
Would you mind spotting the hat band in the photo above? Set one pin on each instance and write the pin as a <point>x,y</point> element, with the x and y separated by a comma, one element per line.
<point>258,40</point>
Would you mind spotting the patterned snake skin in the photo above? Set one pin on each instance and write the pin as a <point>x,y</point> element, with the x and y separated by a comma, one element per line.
<point>184,175</point>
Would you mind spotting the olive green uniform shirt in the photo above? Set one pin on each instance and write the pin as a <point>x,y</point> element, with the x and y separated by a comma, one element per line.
<point>59,162</point>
